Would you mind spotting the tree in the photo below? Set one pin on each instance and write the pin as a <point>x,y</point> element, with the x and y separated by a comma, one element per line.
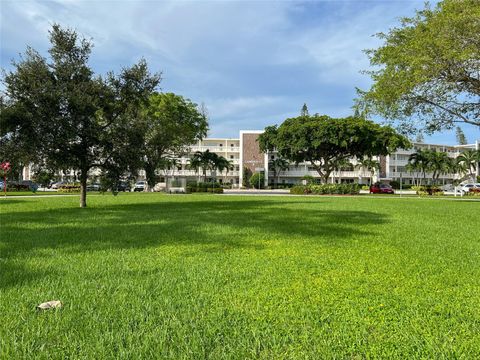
<point>469,159</point>
<point>171,124</point>
<point>419,162</point>
<point>460,135</point>
<point>257,180</point>
<point>339,165</point>
<point>222,164</point>
<point>323,141</point>
<point>277,165</point>
<point>304,111</point>
<point>208,161</point>
<point>419,138</point>
<point>428,69</point>
<point>438,163</point>
<point>63,116</point>
<point>370,165</point>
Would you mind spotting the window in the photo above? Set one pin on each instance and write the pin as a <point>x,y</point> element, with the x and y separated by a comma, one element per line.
<point>272,157</point>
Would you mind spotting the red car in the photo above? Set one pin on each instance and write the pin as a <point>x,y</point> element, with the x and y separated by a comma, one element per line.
<point>381,189</point>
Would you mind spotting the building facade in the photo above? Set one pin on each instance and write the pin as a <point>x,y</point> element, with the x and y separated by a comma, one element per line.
<point>246,158</point>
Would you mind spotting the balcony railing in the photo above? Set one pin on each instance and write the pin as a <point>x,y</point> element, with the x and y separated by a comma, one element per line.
<point>215,148</point>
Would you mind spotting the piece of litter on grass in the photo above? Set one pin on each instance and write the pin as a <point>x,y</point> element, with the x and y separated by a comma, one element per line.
<point>54,304</point>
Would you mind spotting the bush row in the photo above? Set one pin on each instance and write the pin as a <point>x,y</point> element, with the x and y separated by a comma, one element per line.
<point>17,187</point>
<point>428,190</point>
<point>473,192</point>
<point>326,189</point>
<point>69,188</point>
<point>209,187</point>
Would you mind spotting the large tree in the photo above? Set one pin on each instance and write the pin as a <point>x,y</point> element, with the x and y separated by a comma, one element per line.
<point>427,72</point>
<point>172,123</point>
<point>64,117</point>
<point>324,141</point>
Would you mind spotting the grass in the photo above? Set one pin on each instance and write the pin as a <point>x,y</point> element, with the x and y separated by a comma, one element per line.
<point>219,277</point>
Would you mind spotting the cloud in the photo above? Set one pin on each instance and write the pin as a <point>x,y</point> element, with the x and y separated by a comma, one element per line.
<point>251,63</point>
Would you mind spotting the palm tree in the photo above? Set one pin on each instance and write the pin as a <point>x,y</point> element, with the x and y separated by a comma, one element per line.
<point>469,159</point>
<point>208,161</point>
<point>202,160</point>
<point>168,165</point>
<point>420,162</point>
<point>438,163</point>
<point>277,165</point>
<point>340,164</point>
<point>223,164</point>
<point>413,170</point>
<point>370,165</point>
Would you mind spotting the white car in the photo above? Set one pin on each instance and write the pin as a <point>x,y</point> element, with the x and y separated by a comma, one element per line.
<point>140,186</point>
<point>466,187</point>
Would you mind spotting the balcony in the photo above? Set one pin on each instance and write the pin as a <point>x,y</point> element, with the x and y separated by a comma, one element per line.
<point>216,149</point>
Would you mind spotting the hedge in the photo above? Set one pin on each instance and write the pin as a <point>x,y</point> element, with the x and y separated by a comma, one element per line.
<point>326,189</point>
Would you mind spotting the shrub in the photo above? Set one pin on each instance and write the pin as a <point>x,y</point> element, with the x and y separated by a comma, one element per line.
<point>366,187</point>
<point>17,187</point>
<point>326,189</point>
<point>395,184</point>
<point>299,190</point>
<point>473,192</point>
<point>427,190</point>
<point>209,187</point>
<point>69,188</point>
<point>257,180</point>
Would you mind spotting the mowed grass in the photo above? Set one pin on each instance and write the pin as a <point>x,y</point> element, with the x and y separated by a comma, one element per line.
<point>229,277</point>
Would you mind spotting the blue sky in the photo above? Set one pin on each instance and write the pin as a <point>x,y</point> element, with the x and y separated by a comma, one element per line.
<point>253,63</point>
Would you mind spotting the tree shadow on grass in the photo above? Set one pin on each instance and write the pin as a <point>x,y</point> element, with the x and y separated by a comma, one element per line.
<point>216,224</point>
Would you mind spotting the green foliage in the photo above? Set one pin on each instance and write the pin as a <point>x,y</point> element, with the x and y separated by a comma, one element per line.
<point>460,136</point>
<point>43,177</point>
<point>172,123</point>
<point>59,114</point>
<point>257,181</point>
<point>326,142</point>
<point>427,69</point>
<point>309,179</point>
<point>209,161</point>
<point>247,174</point>
<point>395,184</point>
<point>205,187</point>
<point>13,187</point>
<point>427,190</point>
<point>326,189</point>
<point>69,188</point>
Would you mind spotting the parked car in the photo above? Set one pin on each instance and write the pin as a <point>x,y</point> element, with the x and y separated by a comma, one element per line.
<point>1,185</point>
<point>93,187</point>
<point>381,189</point>
<point>57,185</point>
<point>466,187</point>
<point>140,186</point>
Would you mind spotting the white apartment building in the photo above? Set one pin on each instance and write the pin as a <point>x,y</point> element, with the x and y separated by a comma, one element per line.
<point>244,153</point>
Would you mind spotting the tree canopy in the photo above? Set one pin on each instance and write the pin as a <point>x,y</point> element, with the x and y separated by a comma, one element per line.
<point>59,114</point>
<point>427,71</point>
<point>172,123</point>
<point>324,141</point>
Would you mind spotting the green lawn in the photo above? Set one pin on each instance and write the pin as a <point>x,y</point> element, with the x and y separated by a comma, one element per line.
<point>230,277</point>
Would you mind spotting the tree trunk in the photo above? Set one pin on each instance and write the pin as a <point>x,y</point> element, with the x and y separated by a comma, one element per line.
<point>83,189</point>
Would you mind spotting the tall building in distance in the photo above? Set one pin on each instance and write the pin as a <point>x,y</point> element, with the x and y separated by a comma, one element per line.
<point>246,158</point>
